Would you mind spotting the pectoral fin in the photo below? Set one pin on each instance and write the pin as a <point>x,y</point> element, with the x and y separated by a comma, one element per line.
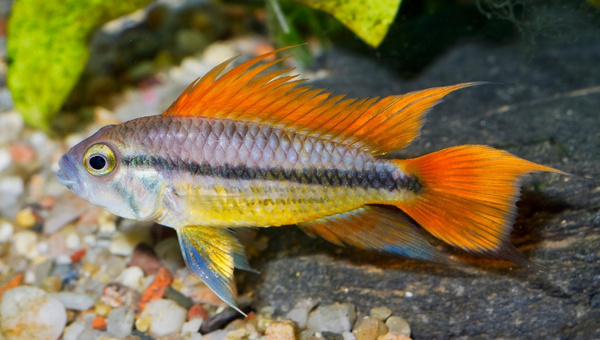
<point>211,254</point>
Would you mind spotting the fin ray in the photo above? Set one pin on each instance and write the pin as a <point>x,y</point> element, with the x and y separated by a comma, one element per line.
<point>376,227</point>
<point>210,253</point>
<point>468,197</point>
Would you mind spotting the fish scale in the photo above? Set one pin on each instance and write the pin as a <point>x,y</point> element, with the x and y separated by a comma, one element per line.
<point>257,149</point>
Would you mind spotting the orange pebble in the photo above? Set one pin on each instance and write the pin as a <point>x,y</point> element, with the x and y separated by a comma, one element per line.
<point>197,311</point>
<point>47,202</point>
<point>22,153</point>
<point>99,323</point>
<point>78,255</point>
<point>156,289</point>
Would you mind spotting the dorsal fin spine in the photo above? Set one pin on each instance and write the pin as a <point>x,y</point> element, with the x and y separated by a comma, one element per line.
<point>372,124</point>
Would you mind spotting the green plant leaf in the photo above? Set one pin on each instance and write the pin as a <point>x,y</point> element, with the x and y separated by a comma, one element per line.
<point>368,19</point>
<point>47,50</point>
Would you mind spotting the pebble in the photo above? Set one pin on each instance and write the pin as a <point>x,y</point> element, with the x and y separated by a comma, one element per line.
<point>336,318</point>
<point>75,301</point>
<point>25,243</point>
<point>299,314</point>
<point>238,334</point>
<point>40,271</point>
<point>11,188</point>
<point>397,325</point>
<point>11,125</point>
<point>5,159</point>
<point>22,153</point>
<point>72,241</point>
<point>219,334</point>
<point>192,326</point>
<point>197,312</point>
<point>117,295</point>
<point>25,218</point>
<point>348,336</point>
<point>145,258</point>
<point>369,328</point>
<point>164,317</point>
<point>74,330</point>
<point>30,313</point>
<point>380,313</point>
<point>6,231</point>
<point>169,254</point>
<point>122,244</point>
<point>393,336</point>
<point>119,322</point>
<point>67,208</point>
<point>132,277</point>
<point>280,330</point>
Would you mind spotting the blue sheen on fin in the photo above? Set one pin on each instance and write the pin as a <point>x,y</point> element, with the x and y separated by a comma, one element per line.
<point>379,228</point>
<point>208,253</point>
<point>240,261</point>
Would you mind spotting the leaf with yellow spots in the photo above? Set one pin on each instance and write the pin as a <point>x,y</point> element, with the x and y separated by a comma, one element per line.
<point>368,19</point>
<point>48,49</point>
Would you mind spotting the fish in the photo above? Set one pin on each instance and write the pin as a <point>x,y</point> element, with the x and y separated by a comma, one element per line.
<point>251,146</point>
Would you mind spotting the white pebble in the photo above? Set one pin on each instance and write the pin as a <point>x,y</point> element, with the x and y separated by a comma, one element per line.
<point>6,231</point>
<point>74,330</point>
<point>120,322</point>
<point>299,314</point>
<point>193,336</point>
<point>11,125</point>
<point>75,301</point>
<point>25,243</point>
<point>216,335</point>
<point>72,241</point>
<point>89,240</point>
<point>30,313</point>
<point>63,259</point>
<point>5,159</point>
<point>166,315</point>
<point>132,277</point>
<point>336,318</point>
<point>11,188</point>
<point>122,245</point>
<point>191,326</point>
<point>349,336</point>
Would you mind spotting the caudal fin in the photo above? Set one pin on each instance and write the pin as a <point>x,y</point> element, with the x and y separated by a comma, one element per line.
<point>468,197</point>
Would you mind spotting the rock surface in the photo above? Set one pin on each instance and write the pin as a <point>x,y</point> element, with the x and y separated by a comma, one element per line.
<point>550,116</point>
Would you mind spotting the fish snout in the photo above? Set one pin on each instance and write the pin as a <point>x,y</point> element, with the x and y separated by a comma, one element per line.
<point>67,173</point>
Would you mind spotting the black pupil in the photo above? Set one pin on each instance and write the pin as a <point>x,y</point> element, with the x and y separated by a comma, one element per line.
<point>97,162</point>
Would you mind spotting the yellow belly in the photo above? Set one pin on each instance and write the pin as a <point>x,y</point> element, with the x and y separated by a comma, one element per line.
<point>265,203</point>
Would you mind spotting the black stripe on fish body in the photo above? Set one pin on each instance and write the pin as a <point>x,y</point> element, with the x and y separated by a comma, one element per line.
<point>352,178</point>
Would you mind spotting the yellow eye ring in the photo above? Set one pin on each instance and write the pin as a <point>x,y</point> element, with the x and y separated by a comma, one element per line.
<point>99,160</point>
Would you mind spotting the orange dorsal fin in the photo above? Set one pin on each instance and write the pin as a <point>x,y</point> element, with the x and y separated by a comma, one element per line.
<point>246,93</point>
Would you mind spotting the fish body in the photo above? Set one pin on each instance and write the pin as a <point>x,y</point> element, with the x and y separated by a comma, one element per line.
<point>252,148</point>
<point>234,174</point>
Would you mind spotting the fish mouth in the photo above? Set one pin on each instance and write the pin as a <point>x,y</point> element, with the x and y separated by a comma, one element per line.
<point>65,172</point>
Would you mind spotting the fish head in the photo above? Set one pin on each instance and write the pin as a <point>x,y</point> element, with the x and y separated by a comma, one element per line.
<point>93,170</point>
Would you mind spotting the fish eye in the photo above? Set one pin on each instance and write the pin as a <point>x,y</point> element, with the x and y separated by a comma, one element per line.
<point>99,160</point>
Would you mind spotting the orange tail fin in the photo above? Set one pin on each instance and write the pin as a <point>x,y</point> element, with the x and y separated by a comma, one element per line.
<point>468,197</point>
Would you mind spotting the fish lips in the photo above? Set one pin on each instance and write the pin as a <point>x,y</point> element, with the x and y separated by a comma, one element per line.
<point>67,173</point>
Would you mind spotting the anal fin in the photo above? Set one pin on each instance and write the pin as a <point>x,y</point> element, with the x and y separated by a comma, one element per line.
<point>376,228</point>
<point>211,254</point>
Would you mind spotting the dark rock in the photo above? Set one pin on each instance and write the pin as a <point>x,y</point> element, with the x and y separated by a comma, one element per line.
<point>550,116</point>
